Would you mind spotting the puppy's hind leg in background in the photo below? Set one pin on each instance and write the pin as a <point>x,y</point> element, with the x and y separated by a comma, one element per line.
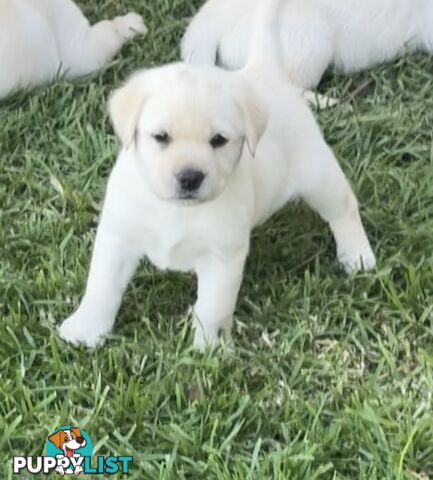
<point>84,48</point>
<point>307,49</point>
<point>426,29</point>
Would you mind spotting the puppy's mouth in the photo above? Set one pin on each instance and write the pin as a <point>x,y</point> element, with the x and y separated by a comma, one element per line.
<point>194,198</point>
<point>189,199</point>
<point>187,196</point>
<point>69,451</point>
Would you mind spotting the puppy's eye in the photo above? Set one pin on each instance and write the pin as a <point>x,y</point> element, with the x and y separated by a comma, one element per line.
<point>218,141</point>
<point>163,138</point>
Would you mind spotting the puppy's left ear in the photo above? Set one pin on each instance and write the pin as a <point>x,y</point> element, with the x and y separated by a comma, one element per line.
<point>56,439</point>
<point>125,105</point>
<point>256,118</point>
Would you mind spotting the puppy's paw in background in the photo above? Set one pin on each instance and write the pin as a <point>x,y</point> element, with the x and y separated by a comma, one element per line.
<point>80,329</point>
<point>321,102</point>
<point>130,25</point>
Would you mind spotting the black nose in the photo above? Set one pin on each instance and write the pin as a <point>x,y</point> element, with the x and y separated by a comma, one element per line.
<point>190,179</point>
<point>80,440</point>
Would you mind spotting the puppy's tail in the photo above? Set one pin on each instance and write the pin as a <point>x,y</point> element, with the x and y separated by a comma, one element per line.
<point>265,58</point>
<point>199,45</point>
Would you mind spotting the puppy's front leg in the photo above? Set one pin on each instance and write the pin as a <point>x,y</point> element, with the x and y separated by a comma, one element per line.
<point>113,263</point>
<point>219,281</point>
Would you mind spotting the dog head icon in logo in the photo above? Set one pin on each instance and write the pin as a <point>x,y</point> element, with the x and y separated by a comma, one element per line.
<point>69,445</point>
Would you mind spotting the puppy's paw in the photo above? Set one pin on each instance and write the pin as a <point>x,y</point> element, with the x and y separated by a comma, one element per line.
<point>321,102</point>
<point>78,469</point>
<point>212,340</point>
<point>81,329</point>
<point>202,341</point>
<point>59,469</point>
<point>130,25</point>
<point>358,256</point>
<point>205,338</point>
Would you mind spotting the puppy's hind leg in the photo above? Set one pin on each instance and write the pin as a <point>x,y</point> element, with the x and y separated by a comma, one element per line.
<point>306,66</point>
<point>308,50</point>
<point>326,190</point>
<point>307,44</point>
<point>426,29</point>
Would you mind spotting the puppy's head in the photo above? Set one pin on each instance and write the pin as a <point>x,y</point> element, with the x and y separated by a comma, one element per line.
<point>68,440</point>
<point>187,126</point>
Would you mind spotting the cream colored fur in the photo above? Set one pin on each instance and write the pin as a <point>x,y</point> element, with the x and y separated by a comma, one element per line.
<point>42,38</point>
<point>206,156</point>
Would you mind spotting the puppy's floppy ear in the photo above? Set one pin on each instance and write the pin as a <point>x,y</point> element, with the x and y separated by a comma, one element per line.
<point>56,439</point>
<point>125,105</point>
<point>76,431</point>
<point>255,117</point>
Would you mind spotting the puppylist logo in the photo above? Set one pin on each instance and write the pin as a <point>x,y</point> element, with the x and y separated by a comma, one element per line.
<point>68,451</point>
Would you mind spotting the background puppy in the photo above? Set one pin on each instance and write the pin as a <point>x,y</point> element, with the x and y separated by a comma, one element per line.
<point>312,34</point>
<point>40,38</point>
<point>205,158</point>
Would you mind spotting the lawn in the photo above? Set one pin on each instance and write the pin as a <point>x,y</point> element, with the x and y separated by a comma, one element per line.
<point>331,378</point>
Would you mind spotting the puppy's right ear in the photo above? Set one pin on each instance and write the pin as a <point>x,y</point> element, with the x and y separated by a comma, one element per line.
<point>125,105</point>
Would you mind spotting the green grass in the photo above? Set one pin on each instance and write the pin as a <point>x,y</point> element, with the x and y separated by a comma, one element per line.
<point>332,377</point>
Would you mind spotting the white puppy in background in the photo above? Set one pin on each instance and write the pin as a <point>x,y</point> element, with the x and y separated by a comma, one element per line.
<point>313,34</point>
<point>40,38</point>
<point>208,155</point>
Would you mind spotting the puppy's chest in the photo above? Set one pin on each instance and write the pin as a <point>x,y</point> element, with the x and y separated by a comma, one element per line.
<point>172,243</point>
<point>173,251</point>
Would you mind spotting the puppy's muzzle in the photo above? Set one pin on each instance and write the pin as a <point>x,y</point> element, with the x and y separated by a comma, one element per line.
<point>189,182</point>
<point>80,440</point>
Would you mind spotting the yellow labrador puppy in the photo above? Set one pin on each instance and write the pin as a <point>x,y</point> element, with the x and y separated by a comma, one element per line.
<point>40,38</point>
<point>205,158</point>
<point>312,34</point>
